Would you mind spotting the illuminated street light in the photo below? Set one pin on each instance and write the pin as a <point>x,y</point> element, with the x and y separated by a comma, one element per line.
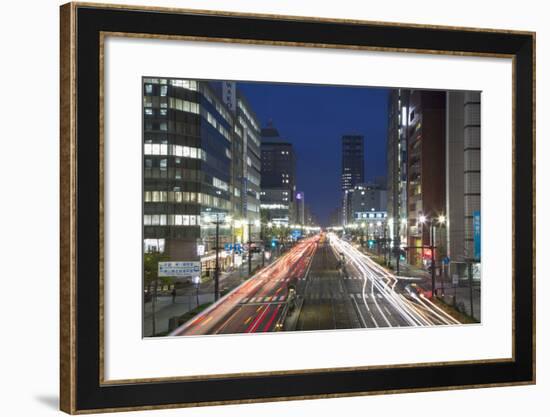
<point>441,219</point>
<point>422,219</point>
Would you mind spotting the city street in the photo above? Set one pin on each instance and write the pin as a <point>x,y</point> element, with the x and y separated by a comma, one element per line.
<point>186,298</point>
<point>377,225</point>
<point>322,283</point>
<point>381,298</point>
<point>261,303</point>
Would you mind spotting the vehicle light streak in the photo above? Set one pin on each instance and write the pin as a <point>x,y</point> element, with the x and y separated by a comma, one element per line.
<point>384,283</point>
<point>264,287</point>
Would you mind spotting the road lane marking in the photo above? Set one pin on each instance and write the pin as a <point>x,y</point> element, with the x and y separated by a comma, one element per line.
<point>256,323</point>
<point>358,310</point>
<point>268,325</point>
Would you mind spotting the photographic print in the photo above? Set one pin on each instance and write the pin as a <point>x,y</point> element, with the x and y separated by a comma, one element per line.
<point>276,207</point>
<point>309,189</point>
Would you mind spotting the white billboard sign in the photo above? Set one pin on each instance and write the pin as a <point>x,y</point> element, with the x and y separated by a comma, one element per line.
<point>179,269</point>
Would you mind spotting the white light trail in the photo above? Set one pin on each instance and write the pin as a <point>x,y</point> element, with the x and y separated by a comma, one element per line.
<point>420,313</point>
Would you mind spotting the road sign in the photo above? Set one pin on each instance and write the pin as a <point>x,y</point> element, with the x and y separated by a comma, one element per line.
<point>477,235</point>
<point>179,269</point>
<point>446,260</point>
<point>296,234</point>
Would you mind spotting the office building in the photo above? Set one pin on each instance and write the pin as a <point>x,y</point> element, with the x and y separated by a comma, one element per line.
<point>353,168</point>
<point>398,105</point>
<point>367,198</point>
<point>247,162</point>
<point>416,169</point>
<point>278,177</point>
<point>300,207</point>
<point>193,167</point>
<point>463,177</point>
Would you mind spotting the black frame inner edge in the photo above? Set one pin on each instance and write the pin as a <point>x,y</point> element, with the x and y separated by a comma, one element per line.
<point>91,395</point>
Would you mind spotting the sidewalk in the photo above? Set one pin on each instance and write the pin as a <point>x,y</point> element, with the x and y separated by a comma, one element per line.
<point>457,296</point>
<point>186,298</point>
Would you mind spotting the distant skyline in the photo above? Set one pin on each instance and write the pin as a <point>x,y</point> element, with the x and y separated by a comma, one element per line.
<point>314,118</point>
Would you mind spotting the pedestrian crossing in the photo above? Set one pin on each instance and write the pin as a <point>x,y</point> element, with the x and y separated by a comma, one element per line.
<point>347,278</point>
<point>359,296</point>
<point>311,296</point>
<point>265,299</point>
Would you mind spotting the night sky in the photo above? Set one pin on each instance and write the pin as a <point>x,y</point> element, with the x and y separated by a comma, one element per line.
<point>314,118</point>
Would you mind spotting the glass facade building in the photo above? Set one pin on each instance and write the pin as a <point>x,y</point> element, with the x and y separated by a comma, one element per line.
<point>193,155</point>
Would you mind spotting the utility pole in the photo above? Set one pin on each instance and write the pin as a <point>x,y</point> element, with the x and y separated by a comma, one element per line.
<point>385,245</point>
<point>397,253</point>
<point>217,267</point>
<point>397,245</point>
<point>154,305</point>
<point>432,247</point>
<point>262,239</point>
<point>249,251</point>
<point>470,283</point>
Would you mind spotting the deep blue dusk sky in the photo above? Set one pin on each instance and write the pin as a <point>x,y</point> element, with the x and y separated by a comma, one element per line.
<point>314,118</point>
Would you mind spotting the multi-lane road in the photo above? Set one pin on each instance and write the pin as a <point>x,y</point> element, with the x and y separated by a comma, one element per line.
<point>381,298</point>
<point>261,303</point>
<point>322,283</point>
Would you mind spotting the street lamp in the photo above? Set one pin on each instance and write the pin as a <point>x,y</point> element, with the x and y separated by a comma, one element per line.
<point>217,222</point>
<point>423,220</point>
<point>256,223</point>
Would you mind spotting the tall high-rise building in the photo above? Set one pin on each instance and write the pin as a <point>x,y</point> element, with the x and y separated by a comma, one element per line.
<point>463,176</point>
<point>425,167</point>
<point>193,158</point>
<point>247,162</point>
<point>300,206</point>
<point>416,167</point>
<point>278,177</point>
<point>353,161</point>
<point>397,165</point>
<point>353,168</point>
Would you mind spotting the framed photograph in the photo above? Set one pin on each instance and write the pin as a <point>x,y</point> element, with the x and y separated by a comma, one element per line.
<point>265,208</point>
